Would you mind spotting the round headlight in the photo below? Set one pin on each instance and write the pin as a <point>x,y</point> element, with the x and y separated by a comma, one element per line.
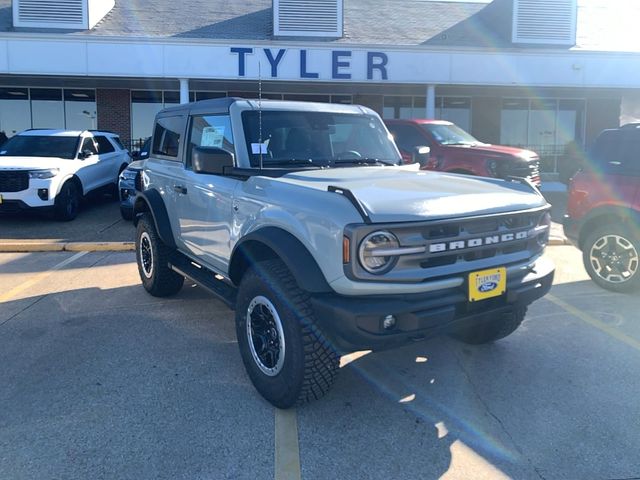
<point>374,252</point>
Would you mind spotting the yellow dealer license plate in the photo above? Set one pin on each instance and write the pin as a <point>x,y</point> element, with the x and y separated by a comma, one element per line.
<point>487,284</point>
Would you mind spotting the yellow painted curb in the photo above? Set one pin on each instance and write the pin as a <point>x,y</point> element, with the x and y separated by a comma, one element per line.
<point>22,247</point>
<point>99,246</point>
<point>553,241</point>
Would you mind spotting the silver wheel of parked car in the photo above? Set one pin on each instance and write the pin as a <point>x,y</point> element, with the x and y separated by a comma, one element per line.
<point>611,257</point>
<point>265,335</point>
<point>146,255</point>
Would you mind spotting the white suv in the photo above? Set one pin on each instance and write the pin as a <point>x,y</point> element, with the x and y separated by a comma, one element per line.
<point>54,169</point>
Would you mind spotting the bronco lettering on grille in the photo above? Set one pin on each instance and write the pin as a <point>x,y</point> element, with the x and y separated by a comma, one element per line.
<point>477,242</point>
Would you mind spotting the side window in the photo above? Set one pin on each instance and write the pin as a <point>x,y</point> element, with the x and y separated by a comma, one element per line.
<point>629,150</point>
<point>210,131</point>
<point>90,145</point>
<point>166,136</point>
<point>104,145</point>
<point>407,137</point>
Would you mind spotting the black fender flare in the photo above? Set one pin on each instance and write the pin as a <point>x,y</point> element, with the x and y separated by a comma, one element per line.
<point>608,214</point>
<point>273,242</point>
<point>151,201</point>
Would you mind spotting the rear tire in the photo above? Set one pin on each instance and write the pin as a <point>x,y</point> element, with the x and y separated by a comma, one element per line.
<point>493,330</point>
<point>610,255</point>
<point>153,256</point>
<point>67,202</point>
<point>285,354</point>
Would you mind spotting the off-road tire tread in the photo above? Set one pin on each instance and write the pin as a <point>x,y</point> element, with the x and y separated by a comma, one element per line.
<point>321,362</point>
<point>164,281</point>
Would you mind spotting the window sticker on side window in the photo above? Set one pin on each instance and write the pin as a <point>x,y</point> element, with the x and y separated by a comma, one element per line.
<point>257,148</point>
<point>212,136</point>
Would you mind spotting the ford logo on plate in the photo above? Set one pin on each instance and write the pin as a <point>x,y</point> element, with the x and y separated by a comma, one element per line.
<point>487,287</point>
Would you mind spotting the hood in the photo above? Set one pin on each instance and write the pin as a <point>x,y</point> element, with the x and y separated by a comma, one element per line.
<point>137,165</point>
<point>400,194</point>
<point>32,163</point>
<point>494,150</point>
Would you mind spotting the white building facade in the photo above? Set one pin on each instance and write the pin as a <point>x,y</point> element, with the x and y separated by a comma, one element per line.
<point>518,72</point>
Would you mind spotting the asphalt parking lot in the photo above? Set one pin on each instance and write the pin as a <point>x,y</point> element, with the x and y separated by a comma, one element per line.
<point>100,380</point>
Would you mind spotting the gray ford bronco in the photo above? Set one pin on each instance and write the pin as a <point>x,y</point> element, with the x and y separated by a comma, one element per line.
<point>302,218</point>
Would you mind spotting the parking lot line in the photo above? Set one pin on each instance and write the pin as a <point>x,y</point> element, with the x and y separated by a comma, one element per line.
<point>287,451</point>
<point>594,322</point>
<point>39,277</point>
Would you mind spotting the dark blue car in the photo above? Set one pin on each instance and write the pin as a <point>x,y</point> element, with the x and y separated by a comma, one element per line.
<point>129,180</point>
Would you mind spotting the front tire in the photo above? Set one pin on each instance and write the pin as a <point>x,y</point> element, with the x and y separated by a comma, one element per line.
<point>152,256</point>
<point>67,202</point>
<point>286,356</point>
<point>610,255</point>
<point>493,330</point>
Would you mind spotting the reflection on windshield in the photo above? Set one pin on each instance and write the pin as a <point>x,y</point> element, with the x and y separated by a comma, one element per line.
<point>450,134</point>
<point>316,139</point>
<point>40,146</point>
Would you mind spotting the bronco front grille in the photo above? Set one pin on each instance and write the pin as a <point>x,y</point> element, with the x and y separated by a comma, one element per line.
<point>444,248</point>
<point>14,181</point>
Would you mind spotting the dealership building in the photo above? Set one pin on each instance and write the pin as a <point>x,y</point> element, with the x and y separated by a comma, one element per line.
<point>543,74</point>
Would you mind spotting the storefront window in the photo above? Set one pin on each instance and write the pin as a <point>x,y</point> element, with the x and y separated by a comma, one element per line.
<point>15,111</point>
<point>453,109</point>
<point>209,95</point>
<point>550,127</point>
<point>47,109</point>
<point>456,110</point>
<point>514,123</point>
<point>80,109</point>
<point>145,104</point>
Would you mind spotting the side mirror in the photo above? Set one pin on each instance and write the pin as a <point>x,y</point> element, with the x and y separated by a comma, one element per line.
<point>210,160</point>
<point>85,154</point>
<point>421,155</point>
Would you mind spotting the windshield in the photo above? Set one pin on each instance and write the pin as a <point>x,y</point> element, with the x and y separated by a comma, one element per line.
<point>40,146</point>
<point>317,139</point>
<point>449,134</point>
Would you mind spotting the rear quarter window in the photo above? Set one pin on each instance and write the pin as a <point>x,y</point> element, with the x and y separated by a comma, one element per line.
<point>104,145</point>
<point>167,135</point>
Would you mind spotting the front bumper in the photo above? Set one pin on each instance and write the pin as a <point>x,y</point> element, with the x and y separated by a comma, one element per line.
<point>16,206</point>
<point>356,323</point>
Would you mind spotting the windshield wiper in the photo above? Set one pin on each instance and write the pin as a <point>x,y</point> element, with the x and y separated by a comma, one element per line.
<point>294,162</point>
<point>361,161</point>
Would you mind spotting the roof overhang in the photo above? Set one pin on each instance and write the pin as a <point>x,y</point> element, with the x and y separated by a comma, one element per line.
<point>41,54</point>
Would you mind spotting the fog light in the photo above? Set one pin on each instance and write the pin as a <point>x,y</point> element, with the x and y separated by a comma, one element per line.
<point>43,193</point>
<point>389,322</point>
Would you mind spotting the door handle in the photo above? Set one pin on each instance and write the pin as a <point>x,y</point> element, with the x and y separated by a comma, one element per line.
<point>180,189</point>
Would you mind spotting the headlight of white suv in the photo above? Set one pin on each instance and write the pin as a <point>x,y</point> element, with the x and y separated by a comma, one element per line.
<point>128,174</point>
<point>378,252</point>
<point>46,173</point>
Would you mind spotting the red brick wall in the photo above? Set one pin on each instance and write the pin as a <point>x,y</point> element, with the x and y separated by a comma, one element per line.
<point>114,112</point>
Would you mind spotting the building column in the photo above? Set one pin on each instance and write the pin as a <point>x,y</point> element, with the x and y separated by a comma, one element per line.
<point>184,90</point>
<point>431,101</point>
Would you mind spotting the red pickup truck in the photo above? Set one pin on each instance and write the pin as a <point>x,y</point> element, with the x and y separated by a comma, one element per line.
<point>456,151</point>
<point>603,211</point>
